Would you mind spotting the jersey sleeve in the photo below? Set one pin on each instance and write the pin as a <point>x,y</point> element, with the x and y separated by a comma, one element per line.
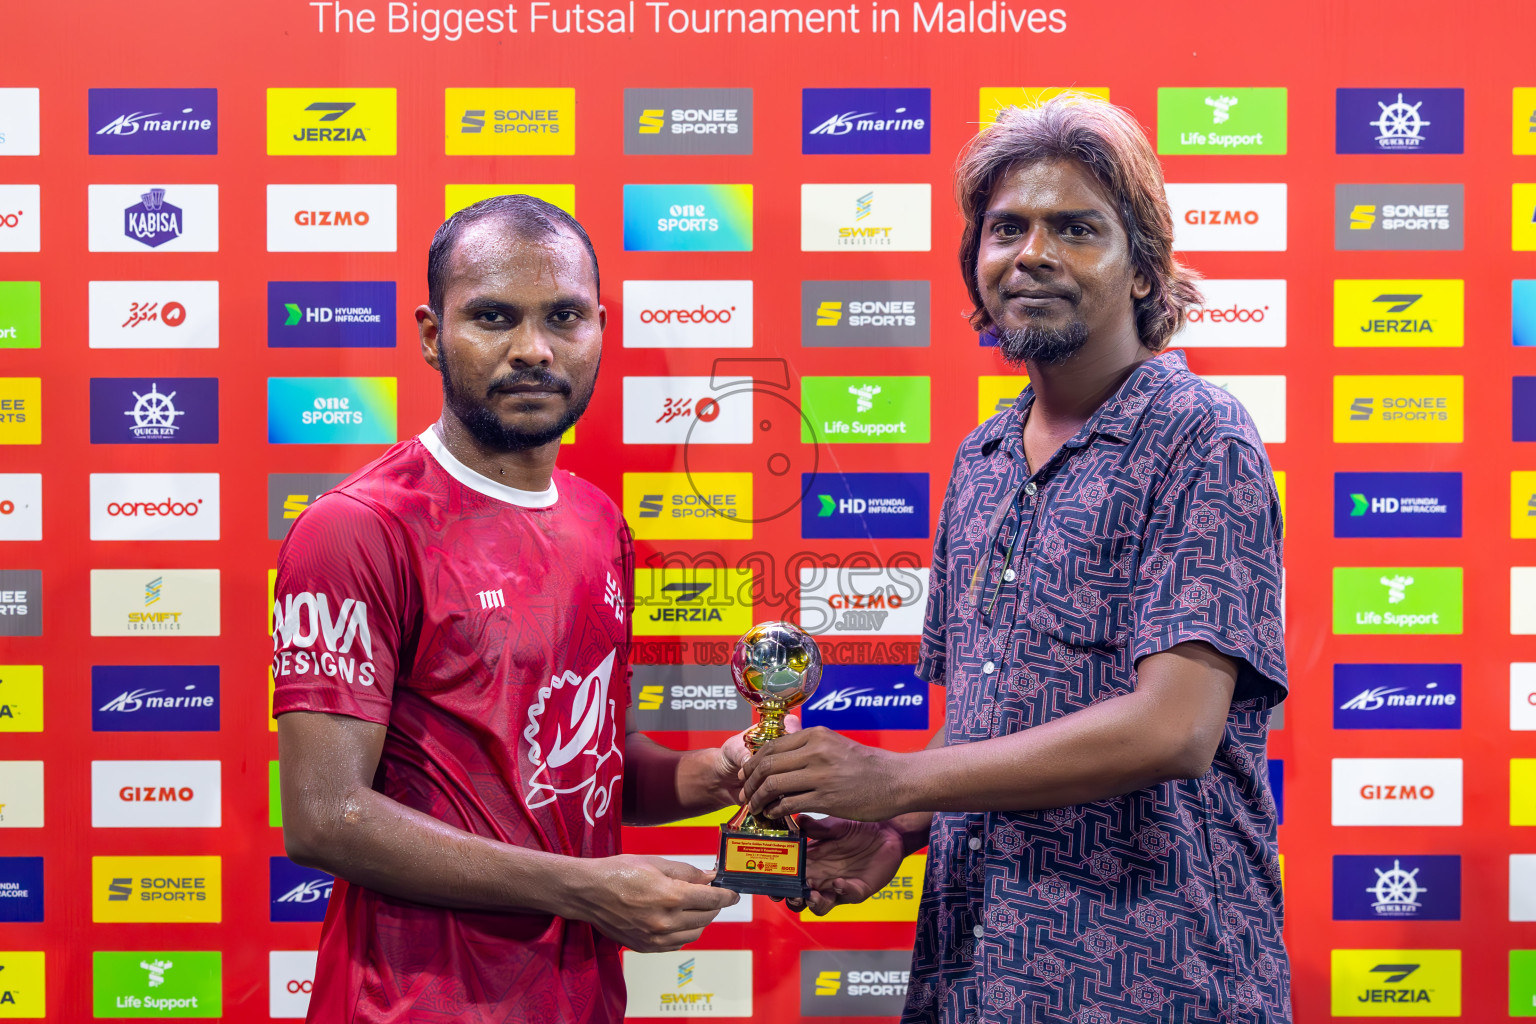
<point>341,596</point>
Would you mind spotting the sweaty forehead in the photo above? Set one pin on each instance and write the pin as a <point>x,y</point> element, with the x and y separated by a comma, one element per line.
<point>496,253</point>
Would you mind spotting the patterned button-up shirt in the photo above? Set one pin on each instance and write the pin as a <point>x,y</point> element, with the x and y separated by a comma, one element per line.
<point>1157,524</point>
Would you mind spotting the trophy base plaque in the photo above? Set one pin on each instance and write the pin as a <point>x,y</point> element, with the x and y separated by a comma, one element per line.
<point>763,864</point>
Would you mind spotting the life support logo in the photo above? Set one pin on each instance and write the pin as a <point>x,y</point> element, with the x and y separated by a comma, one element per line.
<point>572,741</point>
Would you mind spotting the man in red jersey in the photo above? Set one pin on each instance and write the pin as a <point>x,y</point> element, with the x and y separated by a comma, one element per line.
<point>451,637</point>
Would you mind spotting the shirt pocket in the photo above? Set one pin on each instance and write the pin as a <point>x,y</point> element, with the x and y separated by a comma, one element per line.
<point>1079,588</point>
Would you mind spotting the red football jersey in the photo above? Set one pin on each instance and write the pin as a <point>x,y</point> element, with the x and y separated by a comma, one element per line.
<point>487,627</point>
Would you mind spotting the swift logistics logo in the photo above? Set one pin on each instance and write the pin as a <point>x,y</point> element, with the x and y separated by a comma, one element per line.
<point>886,217</point>
<point>331,410</point>
<point>156,794</point>
<point>686,601</point>
<point>20,121</point>
<point>835,314</point>
<point>1397,505</point>
<point>21,314</point>
<point>1398,314</point>
<point>154,602</point>
<point>688,505</point>
<point>856,505</point>
<point>330,314</point>
<point>154,314</point>
<point>154,410</point>
<point>696,982</point>
<point>1397,601</point>
<point>865,410</point>
<point>157,890</point>
<point>21,699</point>
<point>1398,120</point>
<point>1394,409</point>
<point>1398,217</point>
<point>154,698</point>
<point>331,218</point>
<point>1222,122</point>
<point>152,218</point>
<point>1396,982</point>
<point>331,122</point>
<point>157,984</point>
<point>23,983</point>
<point>21,506</point>
<point>1396,696</point>
<point>153,122</point>
<point>864,121</point>
<point>687,122</point>
<point>1396,888</point>
<point>687,218</point>
<point>297,893</point>
<point>1397,791</point>
<point>21,794</point>
<point>289,494</point>
<point>154,506</point>
<point>687,314</point>
<point>868,697</point>
<point>1236,314</point>
<point>687,698</point>
<point>21,891</point>
<point>21,602</point>
<point>1228,216</point>
<point>21,212</point>
<point>854,983</point>
<point>519,122</point>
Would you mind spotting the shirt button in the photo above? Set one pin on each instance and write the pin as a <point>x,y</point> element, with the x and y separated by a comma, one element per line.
<point>1008,575</point>
<point>977,931</point>
<point>1030,488</point>
<point>988,668</point>
<point>975,843</point>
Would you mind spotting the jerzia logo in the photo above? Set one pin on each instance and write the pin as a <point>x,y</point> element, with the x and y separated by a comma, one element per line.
<point>335,121</point>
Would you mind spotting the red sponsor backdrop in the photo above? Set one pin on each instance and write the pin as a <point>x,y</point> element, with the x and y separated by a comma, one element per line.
<point>1310,48</point>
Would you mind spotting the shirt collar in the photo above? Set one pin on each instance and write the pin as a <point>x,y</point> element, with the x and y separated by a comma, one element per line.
<point>484,484</point>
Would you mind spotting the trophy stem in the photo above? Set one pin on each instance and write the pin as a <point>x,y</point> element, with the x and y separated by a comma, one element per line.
<point>769,727</point>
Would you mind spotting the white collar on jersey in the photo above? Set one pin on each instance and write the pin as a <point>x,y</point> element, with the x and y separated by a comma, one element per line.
<point>484,484</point>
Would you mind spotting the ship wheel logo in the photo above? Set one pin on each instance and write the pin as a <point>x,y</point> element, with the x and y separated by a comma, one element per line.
<point>154,414</point>
<point>1399,124</point>
<point>1397,891</point>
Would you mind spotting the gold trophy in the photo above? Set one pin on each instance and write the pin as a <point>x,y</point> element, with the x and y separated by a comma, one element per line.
<point>776,666</point>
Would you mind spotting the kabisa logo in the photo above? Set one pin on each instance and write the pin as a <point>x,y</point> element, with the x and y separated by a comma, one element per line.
<point>1398,409</point>
<point>689,122</point>
<point>289,494</point>
<point>1398,121</point>
<point>841,218</point>
<point>863,602</point>
<point>1405,888</point>
<point>331,410</point>
<point>1398,314</point>
<point>688,218</point>
<point>158,984</point>
<point>331,218</point>
<point>330,121</point>
<point>154,698</point>
<point>1236,314</point>
<point>865,410</point>
<point>688,505</point>
<point>1402,217</point>
<point>853,983</point>
<point>1221,121</point>
<point>685,601</point>
<point>21,891</point>
<point>868,697</point>
<point>1397,504</point>
<point>156,794</point>
<point>526,122</point>
<point>1396,983</point>
<point>1417,600</point>
<point>21,606</point>
<point>152,220</point>
<point>864,313</point>
<point>573,742</point>
<point>1396,696</point>
<point>163,410</point>
<point>156,889</point>
<point>1397,791</point>
<point>298,893</point>
<point>330,314</point>
<point>163,122</point>
<point>846,505</point>
<point>21,218</point>
<point>154,506</point>
<point>316,635</point>
<point>864,120</point>
<point>687,697</point>
<point>1228,217</point>
<point>687,314</point>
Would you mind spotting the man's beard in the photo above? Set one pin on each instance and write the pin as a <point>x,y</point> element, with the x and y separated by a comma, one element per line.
<point>1049,346</point>
<point>487,428</point>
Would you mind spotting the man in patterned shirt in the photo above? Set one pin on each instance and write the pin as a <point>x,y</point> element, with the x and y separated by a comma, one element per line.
<point>1105,612</point>
<point>450,647</point>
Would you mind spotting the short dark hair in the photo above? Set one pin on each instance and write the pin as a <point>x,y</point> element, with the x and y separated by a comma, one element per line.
<point>526,214</point>
<point>1107,141</point>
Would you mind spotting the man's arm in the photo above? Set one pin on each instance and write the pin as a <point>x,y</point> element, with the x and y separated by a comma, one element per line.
<point>661,784</point>
<point>334,820</point>
<point>1168,728</point>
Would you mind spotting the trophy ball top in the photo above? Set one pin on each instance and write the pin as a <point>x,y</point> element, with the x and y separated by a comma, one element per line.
<point>776,661</point>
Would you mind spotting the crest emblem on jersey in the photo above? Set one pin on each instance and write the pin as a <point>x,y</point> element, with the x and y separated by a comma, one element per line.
<point>572,732</point>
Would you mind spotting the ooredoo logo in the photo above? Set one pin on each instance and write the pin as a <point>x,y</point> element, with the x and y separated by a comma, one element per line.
<point>1397,791</point>
<point>1236,314</point>
<point>1228,217</point>
<point>154,506</point>
<point>330,218</point>
<point>21,218</point>
<point>687,314</point>
<point>291,979</point>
